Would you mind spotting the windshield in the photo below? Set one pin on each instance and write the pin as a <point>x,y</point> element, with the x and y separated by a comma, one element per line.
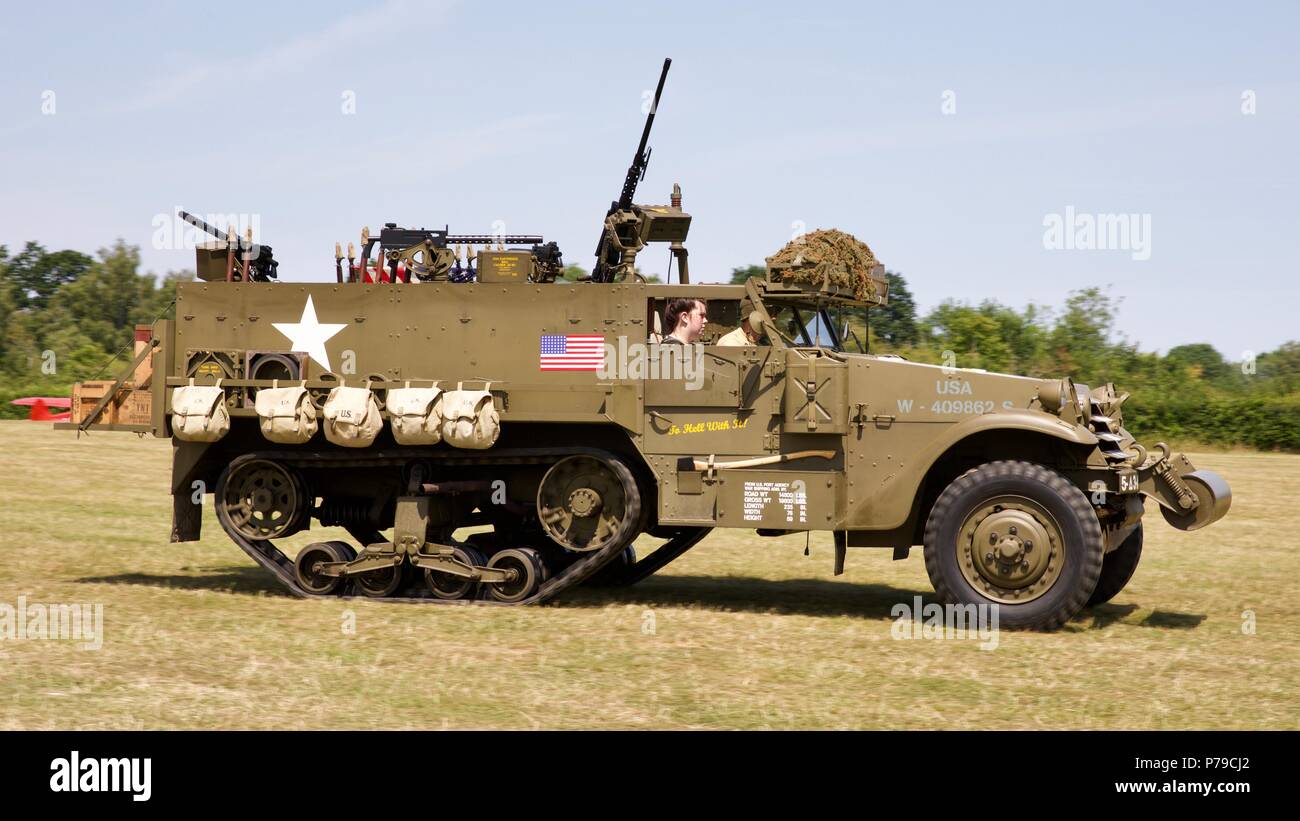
<point>809,326</point>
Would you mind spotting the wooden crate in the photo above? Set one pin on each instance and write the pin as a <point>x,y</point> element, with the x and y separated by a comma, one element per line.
<point>85,395</point>
<point>134,407</point>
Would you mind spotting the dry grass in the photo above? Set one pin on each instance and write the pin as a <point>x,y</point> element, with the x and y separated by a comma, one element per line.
<point>747,632</point>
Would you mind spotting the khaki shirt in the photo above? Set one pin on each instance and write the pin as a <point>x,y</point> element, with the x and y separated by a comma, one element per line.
<point>735,338</point>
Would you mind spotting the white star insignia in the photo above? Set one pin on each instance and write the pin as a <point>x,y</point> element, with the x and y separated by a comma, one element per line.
<point>309,334</point>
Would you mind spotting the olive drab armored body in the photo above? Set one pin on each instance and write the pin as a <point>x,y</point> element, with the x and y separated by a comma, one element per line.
<point>440,383</point>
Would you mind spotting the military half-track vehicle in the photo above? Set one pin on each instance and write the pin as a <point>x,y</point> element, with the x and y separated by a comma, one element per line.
<point>459,382</point>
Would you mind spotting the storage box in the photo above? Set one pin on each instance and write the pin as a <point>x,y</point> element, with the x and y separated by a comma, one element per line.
<point>210,261</point>
<point>134,407</point>
<point>505,266</point>
<point>86,395</point>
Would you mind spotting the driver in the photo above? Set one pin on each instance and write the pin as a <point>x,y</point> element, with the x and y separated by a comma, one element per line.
<point>750,332</point>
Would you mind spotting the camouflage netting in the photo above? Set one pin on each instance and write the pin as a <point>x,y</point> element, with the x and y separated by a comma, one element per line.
<point>815,256</point>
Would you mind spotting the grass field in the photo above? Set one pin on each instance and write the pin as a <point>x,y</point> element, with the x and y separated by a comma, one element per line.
<point>742,632</point>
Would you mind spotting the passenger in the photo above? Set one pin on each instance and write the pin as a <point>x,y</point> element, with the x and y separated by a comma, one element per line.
<point>686,316</point>
<point>750,332</point>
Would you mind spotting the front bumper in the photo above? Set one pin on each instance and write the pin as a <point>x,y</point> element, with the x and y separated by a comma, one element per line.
<point>1189,499</point>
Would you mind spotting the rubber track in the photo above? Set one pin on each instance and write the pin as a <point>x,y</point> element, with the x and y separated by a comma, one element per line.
<point>665,553</point>
<point>266,554</point>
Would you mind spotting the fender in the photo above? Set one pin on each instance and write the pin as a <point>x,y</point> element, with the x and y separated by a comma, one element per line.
<point>889,506</point>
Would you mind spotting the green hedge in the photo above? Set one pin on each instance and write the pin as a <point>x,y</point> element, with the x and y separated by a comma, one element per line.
<point>1263,423</point>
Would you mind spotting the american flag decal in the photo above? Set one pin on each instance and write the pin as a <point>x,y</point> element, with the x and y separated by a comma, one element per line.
<point>572,353</point>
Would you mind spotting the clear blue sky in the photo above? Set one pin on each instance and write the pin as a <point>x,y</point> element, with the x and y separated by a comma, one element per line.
<point>774,114</point>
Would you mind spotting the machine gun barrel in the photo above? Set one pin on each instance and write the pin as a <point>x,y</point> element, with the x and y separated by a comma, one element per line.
<point>488,239</point>
<point>213,230</point>
<point>636,171</point>
<point>394,238</point>
<point>606,256</point>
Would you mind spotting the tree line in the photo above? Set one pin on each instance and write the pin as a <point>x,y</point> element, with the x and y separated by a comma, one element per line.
<point>63,314</point>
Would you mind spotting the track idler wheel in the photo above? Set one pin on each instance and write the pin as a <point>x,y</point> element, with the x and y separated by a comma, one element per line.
<point>529,573</point>
<point>307,566</point>
<point>449,586</point>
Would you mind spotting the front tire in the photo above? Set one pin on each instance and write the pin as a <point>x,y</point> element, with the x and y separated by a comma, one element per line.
<point>1017,535</point>
<point>1117,568</point>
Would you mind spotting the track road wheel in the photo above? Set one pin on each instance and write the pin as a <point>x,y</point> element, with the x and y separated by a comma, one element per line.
<point>447,586</point>
<point>380,583</point>
<point>307,566</point>
<point>1018,535</point>
<point>349,553</point>
<point>528,568</point>
<point>1117,568</point>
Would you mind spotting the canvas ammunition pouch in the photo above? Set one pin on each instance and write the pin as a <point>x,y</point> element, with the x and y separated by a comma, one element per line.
<point>416,415</point>
<point>352,417</point>
<point>470,419</point>
<point>199,412</point>
<point>286,415</point>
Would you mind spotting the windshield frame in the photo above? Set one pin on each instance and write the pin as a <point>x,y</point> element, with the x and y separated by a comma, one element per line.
<point>803,318</point>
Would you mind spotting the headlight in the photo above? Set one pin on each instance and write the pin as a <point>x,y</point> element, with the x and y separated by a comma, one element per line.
<point>1083,398</point>
<point>1052,395</point>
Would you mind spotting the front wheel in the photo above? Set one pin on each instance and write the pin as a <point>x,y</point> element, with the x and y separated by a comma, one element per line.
<point>1016,535</point>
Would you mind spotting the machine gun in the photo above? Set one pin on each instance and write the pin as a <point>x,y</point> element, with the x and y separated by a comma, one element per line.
<point>547,261</point>
<point>429,254</point>
<point>245,260</point>
<point>628,227</point>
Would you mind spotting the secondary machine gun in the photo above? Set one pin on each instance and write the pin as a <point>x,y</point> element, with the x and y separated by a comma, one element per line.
<point>432,255</point>
<point>234,259</point>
